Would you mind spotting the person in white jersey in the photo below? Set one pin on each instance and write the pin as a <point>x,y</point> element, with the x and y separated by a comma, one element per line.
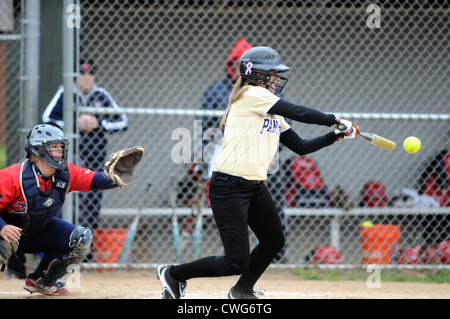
<point>254,125</point>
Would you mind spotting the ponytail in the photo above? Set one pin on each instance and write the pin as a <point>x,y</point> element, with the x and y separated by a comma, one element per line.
<point>234,96</point>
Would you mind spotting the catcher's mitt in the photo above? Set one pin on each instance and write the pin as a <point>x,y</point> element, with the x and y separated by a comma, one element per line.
<point>120,165</point>
<point>7,248</point>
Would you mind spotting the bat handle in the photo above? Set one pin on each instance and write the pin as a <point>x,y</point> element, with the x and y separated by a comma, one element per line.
<point>342,127</point>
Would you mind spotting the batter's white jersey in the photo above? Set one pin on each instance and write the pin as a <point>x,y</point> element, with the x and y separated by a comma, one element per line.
<point>251,135</point>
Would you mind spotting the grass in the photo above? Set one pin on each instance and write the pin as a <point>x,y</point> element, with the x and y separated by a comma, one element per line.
<point>424,276</point>
<point>2,156</point>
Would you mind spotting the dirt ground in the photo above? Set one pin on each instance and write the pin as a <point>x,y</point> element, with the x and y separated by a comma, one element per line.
<point>279,284</point>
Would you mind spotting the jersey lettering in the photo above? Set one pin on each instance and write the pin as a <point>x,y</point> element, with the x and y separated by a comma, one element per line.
<point>270,126</point>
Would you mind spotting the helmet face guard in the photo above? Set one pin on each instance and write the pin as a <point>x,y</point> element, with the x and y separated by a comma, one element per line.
<point>271,80</point>
<point>40,141</point>
<point>256,65</point>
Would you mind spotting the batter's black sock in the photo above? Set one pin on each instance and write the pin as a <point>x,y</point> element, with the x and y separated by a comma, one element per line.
<point>204,267</point>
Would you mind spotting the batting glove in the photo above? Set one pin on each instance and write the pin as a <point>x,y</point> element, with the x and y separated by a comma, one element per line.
<point>348,136</point>
<point>345,126</point>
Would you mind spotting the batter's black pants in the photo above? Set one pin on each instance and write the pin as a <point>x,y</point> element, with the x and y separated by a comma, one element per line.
<point>237,204</point>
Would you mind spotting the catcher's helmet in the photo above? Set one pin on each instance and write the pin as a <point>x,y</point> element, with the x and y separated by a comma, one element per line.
<point>40,137</point>
<point>263,60</point>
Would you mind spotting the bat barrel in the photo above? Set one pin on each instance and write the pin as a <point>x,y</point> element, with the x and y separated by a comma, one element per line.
<point>378,141</point>
<point>383,143</point>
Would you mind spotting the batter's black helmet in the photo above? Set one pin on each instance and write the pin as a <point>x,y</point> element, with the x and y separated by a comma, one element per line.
<point>45,134</point>
<point>262,60</point>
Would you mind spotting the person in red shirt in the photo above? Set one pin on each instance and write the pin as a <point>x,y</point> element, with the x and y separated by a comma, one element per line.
<point>32,194</point>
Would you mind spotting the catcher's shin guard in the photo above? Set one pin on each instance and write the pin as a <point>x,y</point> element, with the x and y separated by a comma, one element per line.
<point>56,269</point>
<point>80,242</point>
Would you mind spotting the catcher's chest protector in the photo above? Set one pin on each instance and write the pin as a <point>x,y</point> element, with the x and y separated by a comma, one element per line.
<point>41,209</point>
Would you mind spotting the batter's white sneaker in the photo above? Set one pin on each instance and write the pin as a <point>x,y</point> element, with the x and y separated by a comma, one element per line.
<point>172,288</point>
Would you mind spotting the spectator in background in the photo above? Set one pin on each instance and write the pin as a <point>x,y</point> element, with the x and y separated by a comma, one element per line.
<point>93,129</point>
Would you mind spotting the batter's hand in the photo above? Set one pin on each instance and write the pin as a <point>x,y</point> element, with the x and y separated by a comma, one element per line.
<point>11,232</point>
<point>346,129</point>
<point>345,126</point>
<point>348,136</point>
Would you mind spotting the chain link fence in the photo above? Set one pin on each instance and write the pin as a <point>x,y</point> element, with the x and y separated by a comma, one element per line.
<point>10,80</point>
<point>384,67</point>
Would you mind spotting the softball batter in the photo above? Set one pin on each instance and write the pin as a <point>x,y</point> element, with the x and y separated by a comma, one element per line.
<point>253,126</point>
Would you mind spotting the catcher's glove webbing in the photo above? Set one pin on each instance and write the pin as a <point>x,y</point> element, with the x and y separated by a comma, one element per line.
<point>120,165</point>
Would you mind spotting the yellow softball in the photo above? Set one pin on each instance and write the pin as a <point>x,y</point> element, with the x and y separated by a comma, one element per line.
<point>412,144</point>
<point>367,223</point>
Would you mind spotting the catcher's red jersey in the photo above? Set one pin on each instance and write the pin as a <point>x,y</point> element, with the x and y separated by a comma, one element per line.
<point>11,198</point>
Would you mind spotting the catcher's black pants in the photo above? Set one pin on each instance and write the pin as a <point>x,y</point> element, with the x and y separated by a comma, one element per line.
<point>237,204</point>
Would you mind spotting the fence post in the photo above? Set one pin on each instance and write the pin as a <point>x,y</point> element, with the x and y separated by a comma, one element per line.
<point>68,44</point>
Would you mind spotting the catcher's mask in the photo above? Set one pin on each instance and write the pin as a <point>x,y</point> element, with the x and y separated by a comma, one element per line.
<point>255,66</point>
<point>40,139</point>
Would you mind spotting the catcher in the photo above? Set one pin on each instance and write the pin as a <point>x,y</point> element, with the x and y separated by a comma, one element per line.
<point>32,194</point>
